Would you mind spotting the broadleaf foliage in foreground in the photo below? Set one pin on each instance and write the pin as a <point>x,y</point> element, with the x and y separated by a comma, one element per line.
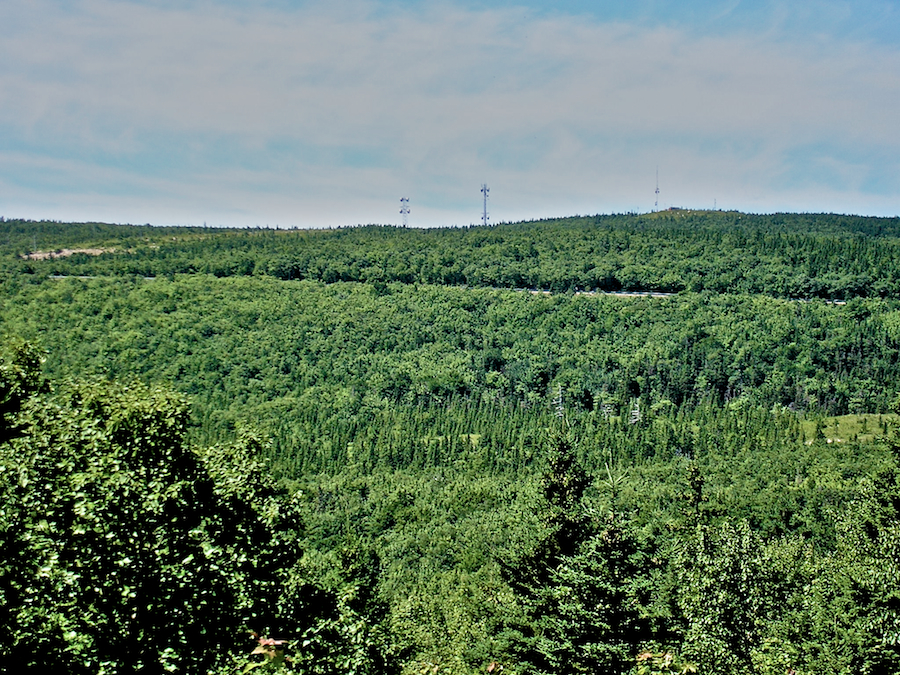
<point>125,549</point>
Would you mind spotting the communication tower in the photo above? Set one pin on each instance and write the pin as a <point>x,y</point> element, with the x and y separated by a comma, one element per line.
<point>484,213</point>
<point>404,210</point>
<point>656,202</point>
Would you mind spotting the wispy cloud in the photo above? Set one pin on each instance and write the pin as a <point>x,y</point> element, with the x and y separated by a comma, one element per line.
<point>319,116</point>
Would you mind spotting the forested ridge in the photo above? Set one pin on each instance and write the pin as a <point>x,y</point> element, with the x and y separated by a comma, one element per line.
<point>422,464</point>
<point>783,255</point>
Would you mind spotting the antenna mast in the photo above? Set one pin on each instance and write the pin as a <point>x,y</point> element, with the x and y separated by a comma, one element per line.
<point>656,203</point>
<point>484,214</point>
<point>404,210</point>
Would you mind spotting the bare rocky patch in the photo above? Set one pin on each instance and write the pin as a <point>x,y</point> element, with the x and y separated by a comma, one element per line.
<point>65,253</point>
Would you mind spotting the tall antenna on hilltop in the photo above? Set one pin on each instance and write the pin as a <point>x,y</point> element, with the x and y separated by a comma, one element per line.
<point>404,210</point>
<point>656,203</point>
<point>484,214</point>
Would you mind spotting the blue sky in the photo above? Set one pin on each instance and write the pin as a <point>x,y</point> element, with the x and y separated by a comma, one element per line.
<point>314,114</point>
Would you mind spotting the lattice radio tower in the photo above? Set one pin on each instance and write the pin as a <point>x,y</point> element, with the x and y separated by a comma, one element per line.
<point>404,210</point>
<point>656,202</point>
<point>484,213</point>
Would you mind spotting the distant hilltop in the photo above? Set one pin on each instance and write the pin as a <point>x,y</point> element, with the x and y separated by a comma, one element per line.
<point>788,255</point>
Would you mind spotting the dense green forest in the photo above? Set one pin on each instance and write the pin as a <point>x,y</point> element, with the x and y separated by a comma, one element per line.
<point>782,255</point>
<point>453,450</point>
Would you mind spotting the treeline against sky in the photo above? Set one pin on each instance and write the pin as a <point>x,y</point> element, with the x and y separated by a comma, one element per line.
<point>783,255</point>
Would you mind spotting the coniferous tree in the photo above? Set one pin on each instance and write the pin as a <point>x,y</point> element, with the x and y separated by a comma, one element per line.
<point>585,586</point>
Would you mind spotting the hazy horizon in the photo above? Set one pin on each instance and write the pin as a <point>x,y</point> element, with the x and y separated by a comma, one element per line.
<point>306,114</point>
